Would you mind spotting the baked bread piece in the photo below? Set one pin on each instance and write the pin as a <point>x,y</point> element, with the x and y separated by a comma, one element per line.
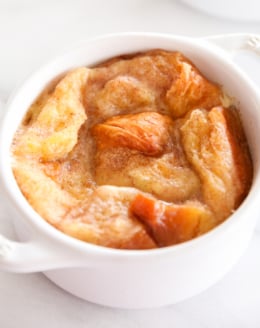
<point>138,152</point>
<point>53,133</point>
<point>157,80</point>
<point>215,146</point>
<point>147,133</point>
<point>144,151</point>
<point>104,219</point>
<point>171,224</point>
<point>44,195</point>
<point>190,90</point>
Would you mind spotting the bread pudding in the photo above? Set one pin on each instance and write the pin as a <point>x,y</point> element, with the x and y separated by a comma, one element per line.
<point>139,152</point>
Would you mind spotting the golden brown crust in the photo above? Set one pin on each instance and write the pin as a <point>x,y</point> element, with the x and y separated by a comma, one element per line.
<point>148,133</point>
<point>54,131</point>
<point>171,224</point>
<point>99,153</point>
<point>191,90</point>
<point>104,220</point>
<point>218,156</point>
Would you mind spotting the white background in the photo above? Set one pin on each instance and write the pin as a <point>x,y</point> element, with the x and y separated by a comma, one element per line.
<point>33,31</point>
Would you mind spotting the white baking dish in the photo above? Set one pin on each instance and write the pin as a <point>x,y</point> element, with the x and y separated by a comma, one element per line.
<point>122,278</point>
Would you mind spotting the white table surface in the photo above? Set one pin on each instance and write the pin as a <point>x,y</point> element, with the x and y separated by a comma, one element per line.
<point>31,32</point>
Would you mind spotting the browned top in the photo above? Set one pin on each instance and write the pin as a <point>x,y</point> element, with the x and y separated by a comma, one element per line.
<point>136,153</point>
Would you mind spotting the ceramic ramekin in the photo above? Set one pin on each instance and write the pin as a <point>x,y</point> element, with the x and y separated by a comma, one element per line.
<point>122,278</point>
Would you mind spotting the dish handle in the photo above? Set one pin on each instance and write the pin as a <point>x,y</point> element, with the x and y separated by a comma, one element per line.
<point>232,44</point>
<point>30,256</point>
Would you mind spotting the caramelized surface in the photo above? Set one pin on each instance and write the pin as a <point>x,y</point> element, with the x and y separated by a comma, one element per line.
<point>172,223</point>
<point>136,153</point>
